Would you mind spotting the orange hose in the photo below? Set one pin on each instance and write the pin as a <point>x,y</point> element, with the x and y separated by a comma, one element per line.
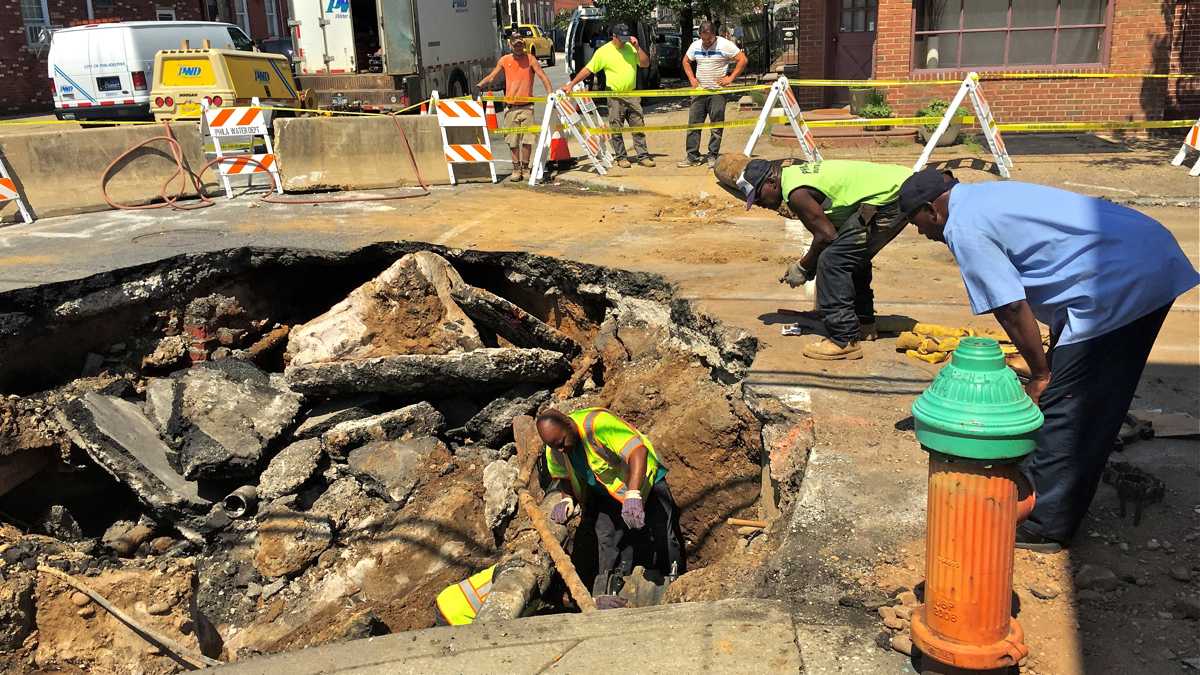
<point>182,172</point>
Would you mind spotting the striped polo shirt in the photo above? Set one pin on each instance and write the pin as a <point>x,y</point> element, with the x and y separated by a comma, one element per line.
<point>713,63</point>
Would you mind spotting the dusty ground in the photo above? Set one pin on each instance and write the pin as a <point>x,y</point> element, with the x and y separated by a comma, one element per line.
<point>729,260</point>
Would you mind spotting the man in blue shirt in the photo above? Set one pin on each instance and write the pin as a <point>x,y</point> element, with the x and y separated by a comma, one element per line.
<point>1100,275</point>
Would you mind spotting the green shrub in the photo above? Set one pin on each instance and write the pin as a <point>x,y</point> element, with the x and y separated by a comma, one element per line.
<point>936,108</point>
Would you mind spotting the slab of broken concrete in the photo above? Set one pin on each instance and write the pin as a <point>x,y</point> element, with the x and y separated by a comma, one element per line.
<point>729,636</point>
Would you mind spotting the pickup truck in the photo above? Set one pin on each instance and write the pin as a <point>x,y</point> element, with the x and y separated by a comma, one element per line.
<point>537,43</point>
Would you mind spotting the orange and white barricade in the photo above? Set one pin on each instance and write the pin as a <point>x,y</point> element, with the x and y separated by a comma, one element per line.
<point>780,93</point>
<point>987,122</point>
<point>10,193</point>
<point>458,113</point>
<point>591,117</point>
<point>244,122</point>
<point>1192,140</point>
<point>558,105</point>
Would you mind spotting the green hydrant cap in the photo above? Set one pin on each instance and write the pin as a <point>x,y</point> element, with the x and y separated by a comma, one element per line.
<point>976,407</point>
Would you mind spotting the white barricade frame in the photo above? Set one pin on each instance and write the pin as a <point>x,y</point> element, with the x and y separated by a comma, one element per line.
<point>458,113</point>
<point>987,122</point>
<point>781,93</point>
<point>591,117</point>
<point>1192,140</point>
<point>559,105</point>
<point>249,121</point>
<point>10,193</point>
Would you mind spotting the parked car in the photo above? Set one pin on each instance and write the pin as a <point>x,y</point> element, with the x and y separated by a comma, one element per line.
<point>104,71</point>
<point>282,46</point>
<point>588,31</point>
<point>536,43</point>
<point>670,53</point>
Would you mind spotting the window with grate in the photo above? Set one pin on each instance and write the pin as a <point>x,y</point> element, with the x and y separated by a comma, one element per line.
<point>1009,33</point>
<point>272,17</point>
<point>36,19</point>
<point>858,16</point>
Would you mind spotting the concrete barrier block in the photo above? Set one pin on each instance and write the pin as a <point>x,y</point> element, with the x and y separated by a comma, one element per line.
<point>356,153</point>
<point>59,171</point>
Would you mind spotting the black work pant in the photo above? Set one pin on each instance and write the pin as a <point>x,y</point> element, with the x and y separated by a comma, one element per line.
<point>712,107</point>
<point>657,546</point>
<point>844,295</point>
<point>1091,386</point>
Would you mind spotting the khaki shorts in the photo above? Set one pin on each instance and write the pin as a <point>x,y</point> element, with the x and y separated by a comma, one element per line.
<point>518,116</point>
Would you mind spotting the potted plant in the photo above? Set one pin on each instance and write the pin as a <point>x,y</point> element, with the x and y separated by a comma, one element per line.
<point>876,108</point>
<point>937,108</point>
<point>859,99</point>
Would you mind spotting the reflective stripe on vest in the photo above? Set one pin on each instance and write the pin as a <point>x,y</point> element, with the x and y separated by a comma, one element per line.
<point>460,603</point>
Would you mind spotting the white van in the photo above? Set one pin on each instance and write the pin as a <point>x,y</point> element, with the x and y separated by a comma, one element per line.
<point>104,71</point>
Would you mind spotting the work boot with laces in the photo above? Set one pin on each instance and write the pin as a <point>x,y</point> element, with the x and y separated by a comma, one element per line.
<point>646,162</point>
<point>623,163</point>
<point>825,349</point>
<point>868,332</point>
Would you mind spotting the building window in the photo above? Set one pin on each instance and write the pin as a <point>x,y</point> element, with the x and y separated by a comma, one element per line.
<point>272,17</point>
<point>858,16</point>
<point>164,13</point>
<point>240,16</point>
<point>1008,33</point>
<point>37,21</point>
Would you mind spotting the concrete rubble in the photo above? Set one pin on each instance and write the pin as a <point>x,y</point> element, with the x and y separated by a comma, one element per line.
<point>371,444</point>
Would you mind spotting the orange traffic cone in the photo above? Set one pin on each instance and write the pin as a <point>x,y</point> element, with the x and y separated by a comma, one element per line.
<point>424,108</point>
<point>489,114</point>
<point>560,151</point>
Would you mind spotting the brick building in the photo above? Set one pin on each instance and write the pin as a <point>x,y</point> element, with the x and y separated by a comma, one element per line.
<point>25,26</point>
<point>945,39</point>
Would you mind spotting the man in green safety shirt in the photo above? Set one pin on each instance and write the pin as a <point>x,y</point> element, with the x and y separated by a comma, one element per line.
<point>601,463</point>
<point>851,209</point>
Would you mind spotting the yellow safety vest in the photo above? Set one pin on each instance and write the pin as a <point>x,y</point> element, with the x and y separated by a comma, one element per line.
<point>607,441</point>
<point>460,603</point>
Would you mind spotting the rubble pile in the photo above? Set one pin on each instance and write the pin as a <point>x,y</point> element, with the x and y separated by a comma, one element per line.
<point>258,450</point>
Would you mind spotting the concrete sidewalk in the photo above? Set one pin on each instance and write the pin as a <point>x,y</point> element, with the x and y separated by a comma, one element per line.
<point>731,636</point>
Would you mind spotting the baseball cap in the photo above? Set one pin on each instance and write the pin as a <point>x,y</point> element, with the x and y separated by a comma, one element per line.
<point>752,178</point>
<point>923,187</point>
<point>621,30</point>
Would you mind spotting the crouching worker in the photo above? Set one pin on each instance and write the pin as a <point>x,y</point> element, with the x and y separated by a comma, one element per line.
<point>851,210</point>
<point>459,604</point>
<point>602,464</point>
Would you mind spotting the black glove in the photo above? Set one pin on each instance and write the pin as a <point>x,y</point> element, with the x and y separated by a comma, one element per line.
<point>796,275</point>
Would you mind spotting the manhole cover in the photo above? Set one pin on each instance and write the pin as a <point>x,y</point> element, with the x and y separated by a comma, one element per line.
<point>179,237</point>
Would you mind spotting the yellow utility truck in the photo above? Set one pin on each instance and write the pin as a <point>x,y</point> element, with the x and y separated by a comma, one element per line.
<point>186,78</point>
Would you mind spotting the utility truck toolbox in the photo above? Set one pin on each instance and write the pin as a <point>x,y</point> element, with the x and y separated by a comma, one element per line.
<point>184,79</point>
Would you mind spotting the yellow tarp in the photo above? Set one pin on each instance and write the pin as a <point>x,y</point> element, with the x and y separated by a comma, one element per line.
<point>933,343</point>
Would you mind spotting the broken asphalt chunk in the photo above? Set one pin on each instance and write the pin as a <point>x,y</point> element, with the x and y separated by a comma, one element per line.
<point>420,374</point>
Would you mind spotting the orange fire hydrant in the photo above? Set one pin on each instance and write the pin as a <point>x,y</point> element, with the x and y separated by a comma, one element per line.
<point>976,423</point>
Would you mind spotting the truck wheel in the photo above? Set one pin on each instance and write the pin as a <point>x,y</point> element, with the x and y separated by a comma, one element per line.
<point>553,57</point>
<point>458,85</point>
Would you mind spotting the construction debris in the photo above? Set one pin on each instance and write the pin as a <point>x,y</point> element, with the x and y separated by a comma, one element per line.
<point>378,444</point>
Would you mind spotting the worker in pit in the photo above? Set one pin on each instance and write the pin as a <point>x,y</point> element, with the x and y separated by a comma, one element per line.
<point>1100,275</point>
<point>519,69</point>
<point>458,604</point>
<point>602,464</point>
<point>851,209</point>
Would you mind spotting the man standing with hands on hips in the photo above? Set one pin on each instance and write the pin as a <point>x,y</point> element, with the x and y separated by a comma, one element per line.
<point>712,55</point>
<point>619,60</point>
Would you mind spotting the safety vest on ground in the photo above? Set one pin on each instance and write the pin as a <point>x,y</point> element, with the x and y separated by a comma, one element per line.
<point>608,441</point>
<point>460,603</point>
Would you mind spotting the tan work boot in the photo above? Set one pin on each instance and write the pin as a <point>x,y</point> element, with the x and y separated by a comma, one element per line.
<point>825,349</point>
<point>623,163</point>
<point>646,162</point>
<point>868,332</point>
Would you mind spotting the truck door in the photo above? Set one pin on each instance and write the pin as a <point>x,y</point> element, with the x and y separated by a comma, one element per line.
<point>108,69</point>
<point>324,36</point>
<point>398,36</point>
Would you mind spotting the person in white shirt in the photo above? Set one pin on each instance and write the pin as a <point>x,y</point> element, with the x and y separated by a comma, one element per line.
<point>712,56</point>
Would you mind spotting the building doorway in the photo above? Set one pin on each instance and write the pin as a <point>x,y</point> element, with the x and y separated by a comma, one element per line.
<point>851,44</point>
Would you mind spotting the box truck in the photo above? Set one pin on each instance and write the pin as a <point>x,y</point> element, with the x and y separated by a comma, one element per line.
<point>388,54</point>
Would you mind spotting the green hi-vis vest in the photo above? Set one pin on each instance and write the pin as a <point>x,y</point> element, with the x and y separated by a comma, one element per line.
<point>460,603</point>
<point>607,442</point>
<point>847,183</point>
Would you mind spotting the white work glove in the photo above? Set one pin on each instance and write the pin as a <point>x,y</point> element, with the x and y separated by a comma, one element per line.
<point>563,510</point>
<point>633,512</point>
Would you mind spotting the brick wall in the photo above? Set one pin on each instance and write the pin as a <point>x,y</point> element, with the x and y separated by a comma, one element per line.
<point>811,50</point>
<point>1147,36</point>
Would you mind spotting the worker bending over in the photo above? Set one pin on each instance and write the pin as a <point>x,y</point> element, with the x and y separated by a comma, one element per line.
<point>601,463</point>
<point>850,208</point>
<point>519,69</point>
<point>1100,275</point>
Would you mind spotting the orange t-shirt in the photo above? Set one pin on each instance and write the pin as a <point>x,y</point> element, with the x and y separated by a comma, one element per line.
<point>518,76</point>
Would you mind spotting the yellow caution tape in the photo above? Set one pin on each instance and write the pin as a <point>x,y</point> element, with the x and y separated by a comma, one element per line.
<point>1096,126</point>
<point>869,83</point>
<point>651,93</point>
<point>1085,76</point>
